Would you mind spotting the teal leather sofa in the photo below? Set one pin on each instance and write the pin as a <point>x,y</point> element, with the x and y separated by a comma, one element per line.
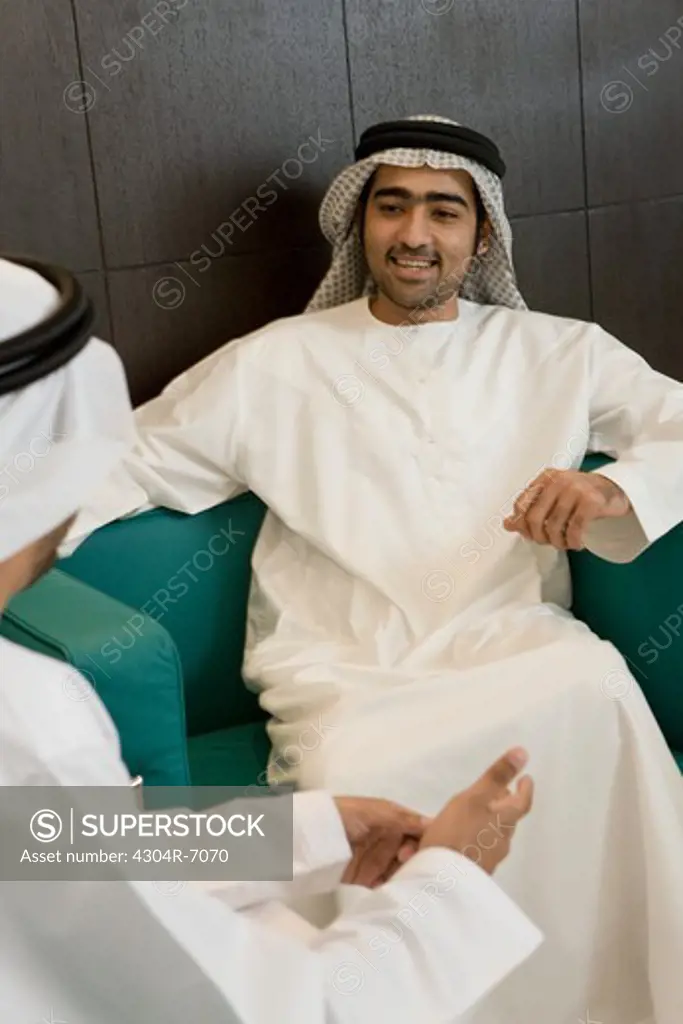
<point>152,610</point>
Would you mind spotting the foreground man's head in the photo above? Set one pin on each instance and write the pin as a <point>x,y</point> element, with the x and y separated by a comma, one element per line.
<point>65,418</point>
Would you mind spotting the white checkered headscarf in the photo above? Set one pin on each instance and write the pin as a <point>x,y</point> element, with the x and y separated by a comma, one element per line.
<point>491,280</point>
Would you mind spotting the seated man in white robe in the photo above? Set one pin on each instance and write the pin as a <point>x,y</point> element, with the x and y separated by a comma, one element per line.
<point>125,952</point>
<point>414,405</point>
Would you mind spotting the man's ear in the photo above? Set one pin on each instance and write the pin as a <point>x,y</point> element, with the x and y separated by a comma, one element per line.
<point>484,237</point>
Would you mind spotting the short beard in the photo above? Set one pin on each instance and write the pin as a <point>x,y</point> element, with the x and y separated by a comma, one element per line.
<point>438,297</point>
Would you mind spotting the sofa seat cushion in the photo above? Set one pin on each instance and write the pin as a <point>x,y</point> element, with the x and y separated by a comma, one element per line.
<point>229,757</point>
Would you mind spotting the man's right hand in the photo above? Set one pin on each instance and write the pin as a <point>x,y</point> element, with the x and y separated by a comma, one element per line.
<point>480,821</point>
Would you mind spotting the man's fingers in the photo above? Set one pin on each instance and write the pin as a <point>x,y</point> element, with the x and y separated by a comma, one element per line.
<point>410,823</point>
<point>531,494</point>
<point>575,527</point>
<point>557,522</point>
<point>525,793</point>
<point>558,505</point>
<point>388,815</point>
<point>363,814</point>
<point>523,505</point>
<point>512,807</point>
<point>541,511</point>
<point>351,869</point>
<point>589,508</point>
<point>389,836</point>
<point>357,868</point>
<point>397,820</point>
<point>504,770</point>
<point>407,850</point>
<point>375,860</point>
<point>523,796</point>
<point>526,518</point>
<point>544,510</point>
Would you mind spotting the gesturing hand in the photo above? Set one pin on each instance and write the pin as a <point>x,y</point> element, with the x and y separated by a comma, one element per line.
<point>557,506</point>
<point>382,836</point>
<point>487,809</point>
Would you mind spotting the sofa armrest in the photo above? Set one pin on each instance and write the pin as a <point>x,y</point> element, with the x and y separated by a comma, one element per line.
<point>638,606</point>
<point>192,573</point>
<point>139,684</point>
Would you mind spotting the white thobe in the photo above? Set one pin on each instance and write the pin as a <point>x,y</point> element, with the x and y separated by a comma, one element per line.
<point>124,952</point>
<point>401,638</point>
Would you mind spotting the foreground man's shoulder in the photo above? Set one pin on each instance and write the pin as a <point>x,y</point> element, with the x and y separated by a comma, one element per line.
<point>48,704</point>
<point>30,668</point>
<point>33,681</point>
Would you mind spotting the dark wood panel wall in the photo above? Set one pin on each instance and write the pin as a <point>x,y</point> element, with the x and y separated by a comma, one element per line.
<point>174,152</point>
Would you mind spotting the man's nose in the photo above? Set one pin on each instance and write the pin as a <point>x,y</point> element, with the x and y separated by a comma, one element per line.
<point>414,230</point>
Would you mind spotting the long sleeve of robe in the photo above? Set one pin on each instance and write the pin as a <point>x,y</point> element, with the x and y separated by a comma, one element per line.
<point>187,452</point>
<point>636,415</point>
<point>115,952</point>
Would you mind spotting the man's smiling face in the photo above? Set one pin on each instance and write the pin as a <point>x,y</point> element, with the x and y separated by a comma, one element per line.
<point>419,235</point>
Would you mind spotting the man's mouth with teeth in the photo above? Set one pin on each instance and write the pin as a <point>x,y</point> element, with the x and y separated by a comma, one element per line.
<point>418,264</point>
<point>412,268</point>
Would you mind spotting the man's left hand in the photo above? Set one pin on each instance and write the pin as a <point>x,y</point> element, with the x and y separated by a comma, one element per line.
<point>382,835</point>
<point>557,506</point>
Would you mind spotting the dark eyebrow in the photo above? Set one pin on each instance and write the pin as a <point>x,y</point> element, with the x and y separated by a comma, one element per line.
<point>430,197</point>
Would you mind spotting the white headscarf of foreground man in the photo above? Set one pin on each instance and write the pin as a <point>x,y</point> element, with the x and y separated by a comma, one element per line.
<point>115,952</point>
<point>418,436</point>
